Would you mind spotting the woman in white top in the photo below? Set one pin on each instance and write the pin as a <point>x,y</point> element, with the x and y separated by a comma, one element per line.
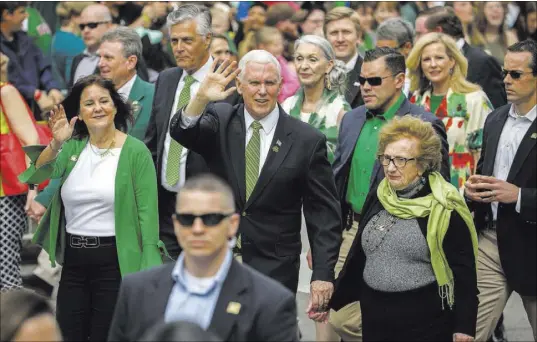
<point>320,100</point>
<point>102,223</point>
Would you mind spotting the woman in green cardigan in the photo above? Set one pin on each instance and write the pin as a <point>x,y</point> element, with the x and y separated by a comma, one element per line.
<point>103,222</point>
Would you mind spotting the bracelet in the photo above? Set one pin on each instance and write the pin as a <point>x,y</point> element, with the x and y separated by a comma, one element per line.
<point>52,148</point>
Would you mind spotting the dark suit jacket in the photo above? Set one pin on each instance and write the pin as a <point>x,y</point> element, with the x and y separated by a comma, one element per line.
<point>459,252</point>
<point>349,131</point>
<point>517,233</point>
<point>141,70</point>
<point>296,173</point>
<point>267,311</point>
<point>485,70</point>
<point>352,91</point>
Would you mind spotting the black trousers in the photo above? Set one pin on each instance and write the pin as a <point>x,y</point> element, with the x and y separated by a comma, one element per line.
<point>414,315</point>
<point>88,291</point>
<point>166,203</point>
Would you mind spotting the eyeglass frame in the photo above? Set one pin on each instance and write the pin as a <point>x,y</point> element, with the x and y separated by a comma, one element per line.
<point>514,72</point>
<point>222,216</point>
<point>392,160</point>
<point>96,23</point>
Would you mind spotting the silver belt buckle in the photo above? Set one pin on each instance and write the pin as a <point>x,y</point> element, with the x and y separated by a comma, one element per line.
<point>84,242</point>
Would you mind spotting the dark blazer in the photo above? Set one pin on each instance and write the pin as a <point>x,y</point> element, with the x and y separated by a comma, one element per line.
<point>141,70</point>
<point>349,131</point>
<point>352,91</point>
<point>296,173</point>
<point>517,233</point>
<point>267,311</point>
<point>485,70</point>
<point>459,252</point>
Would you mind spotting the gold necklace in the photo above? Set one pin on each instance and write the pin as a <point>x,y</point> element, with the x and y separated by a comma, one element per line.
<point>105,153</point>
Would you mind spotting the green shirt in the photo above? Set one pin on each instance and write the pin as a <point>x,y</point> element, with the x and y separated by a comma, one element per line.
<point>364,156</point>
<point>436,100</point>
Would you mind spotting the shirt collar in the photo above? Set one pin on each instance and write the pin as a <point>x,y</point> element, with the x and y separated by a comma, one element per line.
<point>531,115</point>
<point>352,63</point>
<point>89,54</point>
<point>199,75</point>
<point>268,122</point>
<point>460,43</point>
<point>178,273</point>
<point>125,90</point>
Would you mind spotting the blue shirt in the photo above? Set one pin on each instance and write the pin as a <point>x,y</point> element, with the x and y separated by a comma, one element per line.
<point>194,299</point>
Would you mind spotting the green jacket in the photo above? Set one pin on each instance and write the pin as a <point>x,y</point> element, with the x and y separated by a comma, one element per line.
<point>136,206</point>
<point>141,98</point>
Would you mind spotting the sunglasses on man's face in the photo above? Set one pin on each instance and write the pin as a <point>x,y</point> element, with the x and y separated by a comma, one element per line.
<point>373,81</point>
<point>91,25</point>
<point>515,74</point>
<point>209,219</point>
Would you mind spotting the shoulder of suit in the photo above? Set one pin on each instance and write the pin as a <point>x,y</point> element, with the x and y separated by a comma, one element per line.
<point>268,288</point>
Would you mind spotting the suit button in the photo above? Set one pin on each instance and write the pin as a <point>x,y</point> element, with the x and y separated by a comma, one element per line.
<point>243,213</point>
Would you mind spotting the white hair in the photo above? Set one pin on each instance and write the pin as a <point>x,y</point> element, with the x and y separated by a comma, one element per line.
<point>195,12</point>
<point>259,56</point>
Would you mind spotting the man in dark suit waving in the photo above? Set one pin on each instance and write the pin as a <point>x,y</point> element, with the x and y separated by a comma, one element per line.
<point>503,195</point>
<point>190,37</point>
<point>275,164</point>
<point>206,286</point>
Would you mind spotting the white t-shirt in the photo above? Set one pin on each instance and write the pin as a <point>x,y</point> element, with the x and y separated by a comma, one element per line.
<point>88,193</point>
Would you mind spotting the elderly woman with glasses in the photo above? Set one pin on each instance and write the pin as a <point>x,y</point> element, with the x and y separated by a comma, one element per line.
<point>412,265</point>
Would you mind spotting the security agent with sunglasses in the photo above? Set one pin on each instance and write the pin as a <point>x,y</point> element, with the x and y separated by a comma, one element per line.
<point>356,168</point>
<point>206,285</point>
<point>503,195</point>
<point>412,264</point>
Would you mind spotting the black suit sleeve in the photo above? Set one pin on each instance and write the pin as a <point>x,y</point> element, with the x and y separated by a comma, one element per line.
<point>322,213</point>
<point>461,259</point>
<point>528,204</point>
<point>151,138</point>
<point>120,319</point>
<point>440,129</point>
<point>278,320</point>
<point>200,138</point>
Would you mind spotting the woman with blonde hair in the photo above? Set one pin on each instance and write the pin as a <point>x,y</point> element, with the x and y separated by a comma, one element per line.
<point>437,71</point>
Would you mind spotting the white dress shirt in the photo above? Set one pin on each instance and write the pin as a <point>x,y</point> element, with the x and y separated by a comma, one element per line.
<point>199,76</point>
<point>125,90</point>
<point>352,62</point>
<point>513,132</point>
<point>266,133</point>
<point>87,66</point>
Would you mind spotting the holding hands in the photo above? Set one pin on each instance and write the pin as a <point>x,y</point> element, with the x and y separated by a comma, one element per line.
<point>320,294</point>
<point>486,189</point>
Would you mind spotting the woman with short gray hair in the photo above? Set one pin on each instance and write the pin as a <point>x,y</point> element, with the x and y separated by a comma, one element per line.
<point>320,101</point>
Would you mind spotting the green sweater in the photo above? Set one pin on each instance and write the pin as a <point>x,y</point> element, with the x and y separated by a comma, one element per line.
<point>135,208</point>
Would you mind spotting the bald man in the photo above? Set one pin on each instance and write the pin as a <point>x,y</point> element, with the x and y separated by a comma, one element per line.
<point>95,21</point>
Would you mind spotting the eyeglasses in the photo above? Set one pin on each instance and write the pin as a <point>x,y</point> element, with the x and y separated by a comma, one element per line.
<point>91,25</point>
<point>209,219</point>
<point>399,162</point>
<point>373,81</point>
<point>515,74</point>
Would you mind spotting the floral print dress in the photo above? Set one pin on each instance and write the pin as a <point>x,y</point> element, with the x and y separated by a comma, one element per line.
<point>464,117</point>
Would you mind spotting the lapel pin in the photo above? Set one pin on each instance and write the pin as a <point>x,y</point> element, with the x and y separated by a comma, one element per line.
<point>534,136</point>
<point>135,106</point>
<point>233,308</point>
<point>74,158</point>
<point>275,148</point>
<point>279,143</point>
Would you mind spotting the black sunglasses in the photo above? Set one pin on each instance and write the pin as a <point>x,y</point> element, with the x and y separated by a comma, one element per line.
<point>209,220</point>
<point>373,81</point>
<point>515,74</point>
<point>91,25</point>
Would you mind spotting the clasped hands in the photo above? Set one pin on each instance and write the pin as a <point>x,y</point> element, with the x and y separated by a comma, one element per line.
<point>486,189</point>
<point>320,294</point>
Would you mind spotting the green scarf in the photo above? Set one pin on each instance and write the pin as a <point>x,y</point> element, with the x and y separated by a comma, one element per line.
<point>438,205</point>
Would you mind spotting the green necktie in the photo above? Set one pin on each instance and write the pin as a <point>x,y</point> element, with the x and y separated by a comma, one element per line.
<point>176,149</point>
<point>252,165</point>
<point>252,158</point>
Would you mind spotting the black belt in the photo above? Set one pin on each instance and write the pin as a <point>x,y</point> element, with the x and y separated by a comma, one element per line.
<point>79,241</point>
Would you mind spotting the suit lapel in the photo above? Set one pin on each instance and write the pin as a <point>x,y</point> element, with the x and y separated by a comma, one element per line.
<point>526,145</point>
<point>354,90</point>
<point>236,141</point>
<point>275,156</point>
<point>135,96</point>
<point>230,303</point>
<point>162,288</point>
<point>171,86</point>
<point>492,143</point>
